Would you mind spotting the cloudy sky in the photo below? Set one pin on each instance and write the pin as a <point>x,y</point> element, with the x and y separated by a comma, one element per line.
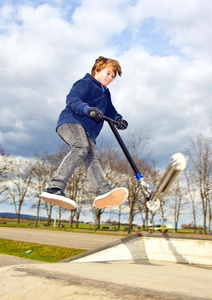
<point>163,46</point>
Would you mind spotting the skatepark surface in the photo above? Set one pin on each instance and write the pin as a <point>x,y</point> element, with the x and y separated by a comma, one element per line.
<point>110,279</point>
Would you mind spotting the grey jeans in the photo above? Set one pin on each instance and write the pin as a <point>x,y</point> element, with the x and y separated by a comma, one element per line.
<point>82,149</point>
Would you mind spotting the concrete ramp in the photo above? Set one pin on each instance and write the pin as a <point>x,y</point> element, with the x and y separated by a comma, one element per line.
<point>117,280</point>
<point>123,270</point>
<point>158,248</point>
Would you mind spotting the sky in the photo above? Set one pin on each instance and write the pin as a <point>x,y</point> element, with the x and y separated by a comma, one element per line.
<point>164,48</point>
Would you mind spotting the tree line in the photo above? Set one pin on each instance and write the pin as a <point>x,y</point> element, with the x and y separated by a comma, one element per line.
<point>23,179</point>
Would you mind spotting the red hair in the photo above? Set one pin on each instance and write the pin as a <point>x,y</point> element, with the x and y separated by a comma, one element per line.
<point>102,62</point>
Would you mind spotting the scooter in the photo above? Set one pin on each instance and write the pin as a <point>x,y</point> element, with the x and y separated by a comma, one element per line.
<point>153,196</point>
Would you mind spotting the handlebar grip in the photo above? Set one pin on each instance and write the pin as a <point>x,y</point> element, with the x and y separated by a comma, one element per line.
<point>93,114</point>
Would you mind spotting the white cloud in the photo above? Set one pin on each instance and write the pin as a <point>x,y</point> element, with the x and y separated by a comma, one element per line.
<point>47,47</point>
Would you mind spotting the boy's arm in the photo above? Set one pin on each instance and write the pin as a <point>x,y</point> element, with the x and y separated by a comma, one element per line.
<point>112,113</point>
<point>76,99</point>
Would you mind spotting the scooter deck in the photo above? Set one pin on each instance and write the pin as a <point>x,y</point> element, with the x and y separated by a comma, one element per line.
<point>178,163</point>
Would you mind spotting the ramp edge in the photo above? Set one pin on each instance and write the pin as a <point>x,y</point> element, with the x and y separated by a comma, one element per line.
<point>107,246</point>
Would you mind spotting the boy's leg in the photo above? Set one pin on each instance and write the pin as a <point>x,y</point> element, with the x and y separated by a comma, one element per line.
<point>105,196</point>
<point>74,135</point>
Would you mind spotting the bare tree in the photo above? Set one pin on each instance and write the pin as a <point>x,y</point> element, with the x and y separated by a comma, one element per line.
<point>71,218</point>
<point>5,170</point>
<point>19,183</point>
<point>44,166</point>
<point>178,198</point>
<point>112,166</point>
<point>200,157</point>
<point>78,190</point>
<point>138,146</point>
<point>135,198</point>
<point>189,175</point>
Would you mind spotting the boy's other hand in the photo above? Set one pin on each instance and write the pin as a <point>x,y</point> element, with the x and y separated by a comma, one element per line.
<point>121,124</point>
<point>96,114</point>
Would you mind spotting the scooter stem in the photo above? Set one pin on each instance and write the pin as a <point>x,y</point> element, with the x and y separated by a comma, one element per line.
<point>112,124</point>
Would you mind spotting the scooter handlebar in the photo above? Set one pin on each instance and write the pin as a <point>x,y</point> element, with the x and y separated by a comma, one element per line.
<point>109,120</point>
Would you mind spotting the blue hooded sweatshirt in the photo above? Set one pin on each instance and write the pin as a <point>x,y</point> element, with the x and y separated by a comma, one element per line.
<point>86,93</point>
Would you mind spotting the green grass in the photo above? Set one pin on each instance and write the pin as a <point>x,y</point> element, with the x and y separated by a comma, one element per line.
<point>65,225</point>
<point>40,252</point>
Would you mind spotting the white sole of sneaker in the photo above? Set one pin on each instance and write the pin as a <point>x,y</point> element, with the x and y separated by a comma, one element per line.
<point>112,198</point>
<point>59,200</point>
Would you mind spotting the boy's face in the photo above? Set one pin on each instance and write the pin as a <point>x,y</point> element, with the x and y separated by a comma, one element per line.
<point>105,76</point>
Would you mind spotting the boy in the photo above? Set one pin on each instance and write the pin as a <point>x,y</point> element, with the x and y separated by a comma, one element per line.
<point>79,125</point>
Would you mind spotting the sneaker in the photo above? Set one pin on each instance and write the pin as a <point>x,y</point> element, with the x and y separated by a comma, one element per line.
<point>115,197</point>
<point>56,196</point>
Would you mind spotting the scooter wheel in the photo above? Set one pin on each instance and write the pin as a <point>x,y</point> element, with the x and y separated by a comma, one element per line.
<point>179,161</point>
<point>153,205</point>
